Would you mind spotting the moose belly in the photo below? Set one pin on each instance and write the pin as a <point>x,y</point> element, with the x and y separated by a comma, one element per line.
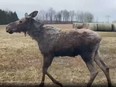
<point>67,52</point>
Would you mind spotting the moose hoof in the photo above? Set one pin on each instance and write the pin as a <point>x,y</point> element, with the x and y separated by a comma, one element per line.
<point>41,85</point>
<point>110,85</point>
<point>58,84</point>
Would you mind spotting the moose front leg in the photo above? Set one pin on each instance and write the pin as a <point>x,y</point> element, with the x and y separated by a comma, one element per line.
<point>46,63</point>
<point>43,79</point>
<point>54,81</point>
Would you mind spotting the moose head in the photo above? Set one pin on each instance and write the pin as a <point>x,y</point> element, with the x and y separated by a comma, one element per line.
<point>24,24</point>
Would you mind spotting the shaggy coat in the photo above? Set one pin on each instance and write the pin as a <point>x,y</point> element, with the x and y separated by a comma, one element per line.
<point>61,43</point>
<point>54,42</point>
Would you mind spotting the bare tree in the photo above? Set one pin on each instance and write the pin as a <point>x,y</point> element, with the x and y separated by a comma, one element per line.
<point>88,17</point>
<point>84,17</point>
<point>65,15</point>
<point>51,14</point>
<point>72,14</point>
<point>58,16</point>
<point>80,16</point>
<point>46,17</point>
<point>41,16</point>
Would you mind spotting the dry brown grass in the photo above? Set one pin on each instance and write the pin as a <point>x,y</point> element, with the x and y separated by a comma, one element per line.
<point>21,61</point>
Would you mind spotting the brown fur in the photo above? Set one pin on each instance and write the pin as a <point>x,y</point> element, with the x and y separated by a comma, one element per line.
<point>54,42</point>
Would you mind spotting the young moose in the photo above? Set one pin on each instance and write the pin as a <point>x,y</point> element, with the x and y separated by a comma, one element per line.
<point>53,42</point>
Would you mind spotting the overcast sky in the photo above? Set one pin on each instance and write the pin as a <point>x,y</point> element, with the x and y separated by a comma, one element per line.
<point>99,8</point>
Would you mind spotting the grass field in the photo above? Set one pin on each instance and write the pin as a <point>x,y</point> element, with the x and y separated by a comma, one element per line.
<point>21,61</point>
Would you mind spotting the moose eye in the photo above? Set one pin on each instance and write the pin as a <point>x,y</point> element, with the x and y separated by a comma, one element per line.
<point>20,21</point>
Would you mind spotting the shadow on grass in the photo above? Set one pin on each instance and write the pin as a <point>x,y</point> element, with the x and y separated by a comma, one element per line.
<point>52,85</point>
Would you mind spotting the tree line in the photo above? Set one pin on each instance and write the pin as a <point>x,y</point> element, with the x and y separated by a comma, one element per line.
<point>64,16</point>
<point>51,16</point>
<point>7,16</point>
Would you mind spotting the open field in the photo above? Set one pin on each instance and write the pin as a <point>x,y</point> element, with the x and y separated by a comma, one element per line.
<point>21,61</point>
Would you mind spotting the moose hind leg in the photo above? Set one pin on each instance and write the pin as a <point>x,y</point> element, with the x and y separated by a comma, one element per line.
<point>88,59</point>
<point>103,67</point>
<point>93,72</point>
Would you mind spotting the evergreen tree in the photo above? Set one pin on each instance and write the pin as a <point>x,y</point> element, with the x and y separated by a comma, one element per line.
<point>7,16</point>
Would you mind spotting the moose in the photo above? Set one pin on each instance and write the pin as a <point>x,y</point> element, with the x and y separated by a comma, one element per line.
<point>54,42</point>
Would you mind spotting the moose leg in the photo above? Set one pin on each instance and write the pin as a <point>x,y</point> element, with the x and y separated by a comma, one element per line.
<point>88,59</point>
<point>93,72</point>
<point>42,81</point>
<point>46,63</point>
<point>54,81</point>
<point>104,68</point>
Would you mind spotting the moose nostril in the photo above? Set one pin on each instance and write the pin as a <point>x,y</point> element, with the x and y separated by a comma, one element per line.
<point>7,29</point>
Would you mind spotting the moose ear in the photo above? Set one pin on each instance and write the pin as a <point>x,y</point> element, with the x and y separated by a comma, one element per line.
<point>27,16</point>
<point>33,14</point>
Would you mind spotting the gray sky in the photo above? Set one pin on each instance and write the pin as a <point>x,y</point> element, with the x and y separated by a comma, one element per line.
<point>99,8</point>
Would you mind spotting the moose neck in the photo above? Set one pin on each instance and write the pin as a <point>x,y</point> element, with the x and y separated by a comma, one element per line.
<point>35,32</point>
